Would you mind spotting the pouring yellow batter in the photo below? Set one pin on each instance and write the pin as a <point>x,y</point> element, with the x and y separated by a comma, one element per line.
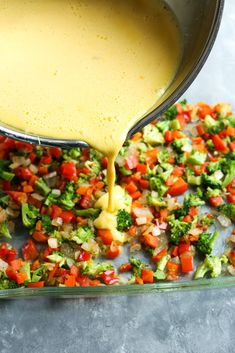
<point>84,69</point>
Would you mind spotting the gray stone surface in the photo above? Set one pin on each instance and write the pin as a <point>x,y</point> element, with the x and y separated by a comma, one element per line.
<point>188,322</point>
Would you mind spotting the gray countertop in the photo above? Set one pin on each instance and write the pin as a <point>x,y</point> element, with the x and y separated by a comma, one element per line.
<point>186,322</point>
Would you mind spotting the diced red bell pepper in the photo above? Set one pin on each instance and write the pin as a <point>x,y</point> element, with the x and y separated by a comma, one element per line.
<point>232,146</point>
<point>56,211</point>
<point>108,277</point>
<point>39,236</point>
<point>18,196</point>
<point>84,256</point>
<point>150,240</point>
<point>30,251</point>
<point>105,235</point>
<point>231,198</point>
<point>113,251</point>
<point>184,247</point>
<point>186,263</point>
<point>39,284</point>
<point>144,183</point>
<point>131,162</point>
<point>181,120</point>
<point>55,152</point>
<point>168,136</point>
<point>46,160</point>
<point>220,145</point>
<point>70,281</point>
<point>159,255</point>
<point>142,168</point>
<point>131,187</point>
<point>147,275</point>
<point>178,188</point>
<point>69,171</point>
<point>125,267</point>
<point>216,201</point>
<point>67,216</point>
<point>23,173</point>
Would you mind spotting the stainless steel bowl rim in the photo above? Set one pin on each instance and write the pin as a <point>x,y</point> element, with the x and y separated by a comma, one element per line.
<point>30,138</point>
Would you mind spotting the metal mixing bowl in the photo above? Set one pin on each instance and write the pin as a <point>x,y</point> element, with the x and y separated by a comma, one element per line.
<point>199,21</point>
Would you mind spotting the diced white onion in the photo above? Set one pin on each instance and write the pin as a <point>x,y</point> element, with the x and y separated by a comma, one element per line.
<point>3,215</point>
<point>231,238</point>
<point>50,175</point>
<point>57,222</point>
<point>56,192</point>
<point>195,231</point>
<point>12,213</point>
<point>142,212</point>
<point>141,220</point>
<point>218,174</point>
<point>156,231</point>
<point>76,254</point>
<point>231,270</point>
<point>171,203</point>
<point>187,148</point>
<point>163,226</point>
<point>53,243</point>
<point>38,197</point>
<point>224,221</point>
<point>33,168</point>
<point>3,265</point>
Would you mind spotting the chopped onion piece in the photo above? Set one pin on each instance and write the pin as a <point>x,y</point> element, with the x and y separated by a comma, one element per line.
<point>12,213</point>
<point>142,212</point>
<point>53,242</point>
<point>218,174</point>
<point>57,222</point>
<point>50,175</point>
<point>187,148</point>
<point>231,270</point>
<point>3,265</point>
<point>3,215</point>
<point>33,168</point>
<point>156,231</point>
<point>195,231</point>
<point>38,197</point>
<point>163,226</point>
<point>224,221</point>
<point>141,220</point>
<point>56,192</point>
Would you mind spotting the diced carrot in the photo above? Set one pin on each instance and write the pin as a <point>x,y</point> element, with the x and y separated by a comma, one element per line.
<point>136,195</point>
<point>150,240</point>
<point>137,136</point>
<point>105,235</point>
<point>131,187</point>
<point>159,255</point>
<point>147,275</point>
<point>70,281</point>
<point>138,280</point>
<point>82,190</point>
<point>186,263</point>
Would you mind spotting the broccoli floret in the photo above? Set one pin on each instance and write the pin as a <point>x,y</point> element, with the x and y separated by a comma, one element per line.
<point>4,230</point>
<point>156,201</point>
<point>163,126</point>
<point>38,274</point>
<point>177,229</point>
<point>30,215</point>
<point>6,283</point>
<point>178,144</point>
<point>228,168</point>
<point>152,135</point>
<point>66,199</point>
<point>89,213</point>
<point>137,266</point>
<point>212,193</point>
<point>197,158</point>
<point>5,174</point>
<point>157,184</point>
<point>171,113</point>
<point>193,200</point>
<point>213,126</point>
<point>163,155</point>
<point>228,209</point>
<point>206,242</point>
<point>183,103</point>
<point>214,166</point>
<point>124,220</point>
<point>94,166</point>
<point>160,273</point>
<point>206,221</point>
<point>211,181</point>
<point>124,171</point>
<point>71,153</point>
<point>81,234</point>
<point>231,120</point>
<point>46,224</point>
<point>212,264</point>
<point>42,187</point>
<point>91,268</point>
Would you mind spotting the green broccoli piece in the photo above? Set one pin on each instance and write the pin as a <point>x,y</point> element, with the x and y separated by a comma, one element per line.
<point>91,268</point>
<point>46,224</point>
<point>228,209</point>
<point>213,126</point>
<point>163,155</point>
<point>214,166</point>
<point>6,283</point>
<point>211,181</point>
<point>228,168</point>
<point>157,184</point>
<point>206,242</point>
<point>197,158</point>
<point>89,213</point>
<point>160,272</point>
<point>171,113</point>
<point>42,187</point>
<point>94,166</point>
<point>206,221</point>
<point>51,199</point>
<point>152,135</point>
<point>124,171</point>
<point>163,126</point>
<point>156,201</point>
<point>29,214</point>
<point>5,174</point>
<point>231,120</point>
<point>212,193</point>
<point>71,153</point>
<point>193,200</point>
<point>184,103</point>
<point>175,124</point>
<point>66,199</point>
<point>4,230</point>
<point>178,144</point>
<point>81,234</point>
<point>38,274</point>
<point>177,229</point>
<point>124,220</point>
<point>137,266</point>
<point>212,264</point>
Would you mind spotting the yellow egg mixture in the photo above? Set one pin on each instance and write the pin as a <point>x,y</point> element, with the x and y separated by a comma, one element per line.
<point>85,70</point>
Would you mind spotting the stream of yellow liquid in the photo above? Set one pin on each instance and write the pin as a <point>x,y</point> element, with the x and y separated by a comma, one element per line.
<point>85,69</point>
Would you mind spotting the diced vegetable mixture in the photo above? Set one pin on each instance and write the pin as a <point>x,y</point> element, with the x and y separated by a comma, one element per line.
<point>169,171</point>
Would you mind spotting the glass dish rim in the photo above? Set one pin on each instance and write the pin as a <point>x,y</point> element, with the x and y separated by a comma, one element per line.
<point>131,289</point>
